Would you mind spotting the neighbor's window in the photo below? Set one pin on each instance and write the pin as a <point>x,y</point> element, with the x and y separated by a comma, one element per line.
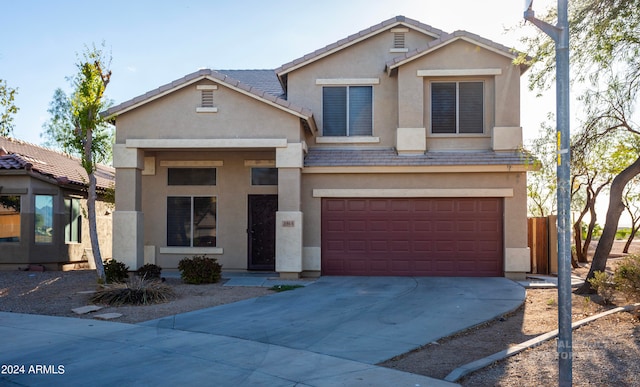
<point>9,218</point>
<point>347,111</point>
<point>44,219</point>
<point>191,221</point>
<point>73,221</point>
<point>264,176</point>
<point>457,107</point>
<point>192,176</point>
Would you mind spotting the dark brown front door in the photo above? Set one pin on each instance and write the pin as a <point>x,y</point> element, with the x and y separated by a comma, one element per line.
<point>262,232</point>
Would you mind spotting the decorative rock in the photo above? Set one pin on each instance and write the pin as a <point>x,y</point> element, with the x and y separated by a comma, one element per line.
<point>86,309</point>
<point>107,316</point>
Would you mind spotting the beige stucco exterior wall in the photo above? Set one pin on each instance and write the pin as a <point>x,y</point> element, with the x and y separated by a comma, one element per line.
<point>233,185</point>
<point>515,211</point>
<point>501,94</point>
<point>363,60</point>
<point>238,116</point>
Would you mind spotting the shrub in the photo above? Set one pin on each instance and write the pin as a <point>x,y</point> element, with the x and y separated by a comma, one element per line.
<point>149,271</point>
<point>604,285</point>
<point>116,271</point>
<point>627,277</point>
<point>200,270</point>
<point>284,288</point>
<point>136,291</point>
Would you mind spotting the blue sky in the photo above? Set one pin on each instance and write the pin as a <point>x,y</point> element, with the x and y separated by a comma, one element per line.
<point>156,42</point>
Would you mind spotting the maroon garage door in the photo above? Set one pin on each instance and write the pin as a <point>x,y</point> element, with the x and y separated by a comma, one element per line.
<point>412,237</point>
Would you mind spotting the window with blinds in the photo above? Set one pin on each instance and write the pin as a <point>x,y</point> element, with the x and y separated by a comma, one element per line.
<point>457,107</point>
<point>347,111</point>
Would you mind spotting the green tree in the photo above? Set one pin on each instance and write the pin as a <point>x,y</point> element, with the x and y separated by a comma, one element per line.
<point>77,127</point>
<point>631,200</point>
<point>605,57</point>
<point>59,131</point>
<point>7,108</point>
<point>541,182</point>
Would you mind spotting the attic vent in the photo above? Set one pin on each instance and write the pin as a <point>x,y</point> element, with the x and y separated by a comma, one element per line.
<point>207,99</point>
<point>399,40</point>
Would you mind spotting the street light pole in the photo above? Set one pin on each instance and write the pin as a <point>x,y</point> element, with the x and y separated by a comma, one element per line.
<point>560,34</point>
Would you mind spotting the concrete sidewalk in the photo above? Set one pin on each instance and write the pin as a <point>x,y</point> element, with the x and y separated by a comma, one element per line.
<point>330,333</point>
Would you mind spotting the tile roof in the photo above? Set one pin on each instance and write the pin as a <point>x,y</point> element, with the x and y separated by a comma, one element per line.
<point>49,163</point>
<point>346,42</point>
<point>265,80</point>
<point>449,38</point>
<point>322,157</point>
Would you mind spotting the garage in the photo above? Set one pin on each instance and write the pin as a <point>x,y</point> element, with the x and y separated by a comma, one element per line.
<point>412,236</point>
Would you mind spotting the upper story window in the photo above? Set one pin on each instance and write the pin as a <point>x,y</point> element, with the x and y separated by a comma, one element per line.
<point>347,110</point>
<point>191,176</point>
<point>457,107</point>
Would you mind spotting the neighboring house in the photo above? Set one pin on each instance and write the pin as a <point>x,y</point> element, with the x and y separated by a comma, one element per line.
<point>43,205</point>
<point>394,151</point>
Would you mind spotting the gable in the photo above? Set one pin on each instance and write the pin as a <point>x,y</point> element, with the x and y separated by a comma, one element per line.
<point>397,23</point>
<point>225,112</point>
<point>217,78</point>
<point>471,44</point>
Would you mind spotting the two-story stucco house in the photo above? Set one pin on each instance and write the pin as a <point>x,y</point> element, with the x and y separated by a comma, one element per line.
<point>394,151</point>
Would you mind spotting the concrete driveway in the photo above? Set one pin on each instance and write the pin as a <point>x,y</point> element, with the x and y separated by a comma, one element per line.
<point>329,333</point>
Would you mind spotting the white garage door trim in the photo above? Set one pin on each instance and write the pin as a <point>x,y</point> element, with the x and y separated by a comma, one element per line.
<point>415,193</point>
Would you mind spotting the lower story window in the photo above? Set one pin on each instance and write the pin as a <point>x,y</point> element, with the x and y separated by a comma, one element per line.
<point>191,221</point>
<point>73,221</point>
<point>9,218</point>
<point>44,219</point>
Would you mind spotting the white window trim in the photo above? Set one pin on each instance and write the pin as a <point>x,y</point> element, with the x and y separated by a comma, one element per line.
<point>347,140</point>
<point>459,72</point>
<point>191,163</point>
<point>347,81</point>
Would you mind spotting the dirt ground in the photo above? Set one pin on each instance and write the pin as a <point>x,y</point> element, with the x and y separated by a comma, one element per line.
<point>606,351</point>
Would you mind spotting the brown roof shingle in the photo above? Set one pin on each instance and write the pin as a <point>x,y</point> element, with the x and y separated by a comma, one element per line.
<point>49,163</point>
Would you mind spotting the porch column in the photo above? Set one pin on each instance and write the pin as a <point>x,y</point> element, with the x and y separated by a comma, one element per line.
<point>289,162</point>
<point>128,220</point>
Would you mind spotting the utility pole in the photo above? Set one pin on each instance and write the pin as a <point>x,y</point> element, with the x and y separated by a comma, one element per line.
<point>560,35</point>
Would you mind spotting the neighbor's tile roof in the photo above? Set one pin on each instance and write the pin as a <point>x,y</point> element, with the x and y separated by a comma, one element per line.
<point>262,77</point>
<point>349,40</point>
<point>49,163</point>
<point>319,157</point>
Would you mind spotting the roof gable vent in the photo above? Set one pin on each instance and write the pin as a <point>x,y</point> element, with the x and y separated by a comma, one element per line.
<point>206,99</point>
<point>399,40</point>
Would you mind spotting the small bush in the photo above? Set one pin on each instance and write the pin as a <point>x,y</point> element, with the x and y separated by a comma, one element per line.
<point>604,285</point>
<point>149,271</point>
<point>116,271</point>
<point>284,288</point>
<point>137,291</point>
<point>200,270</point>
<point>627,277</point>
